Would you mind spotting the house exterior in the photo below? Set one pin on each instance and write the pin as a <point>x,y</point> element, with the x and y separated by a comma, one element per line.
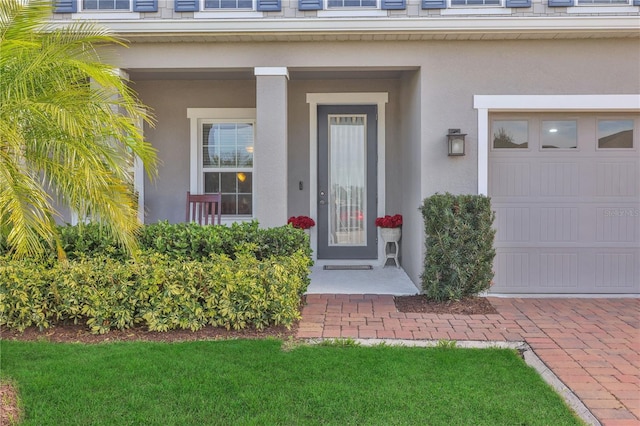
<point>340,110</point>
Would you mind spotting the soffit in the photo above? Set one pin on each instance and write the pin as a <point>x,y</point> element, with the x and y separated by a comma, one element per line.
<point>295,73</point>
<point>387,29</point>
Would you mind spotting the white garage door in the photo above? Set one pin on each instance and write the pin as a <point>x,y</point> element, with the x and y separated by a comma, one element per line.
<point>566,191</point>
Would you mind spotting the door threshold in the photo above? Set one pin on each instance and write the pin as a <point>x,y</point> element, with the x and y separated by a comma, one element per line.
<point>347,267</point>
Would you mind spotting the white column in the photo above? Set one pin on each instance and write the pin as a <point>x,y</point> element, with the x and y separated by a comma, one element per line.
<point>270,151</point>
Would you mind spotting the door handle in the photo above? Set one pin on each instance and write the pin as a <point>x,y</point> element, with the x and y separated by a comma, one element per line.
<point>323,202</point>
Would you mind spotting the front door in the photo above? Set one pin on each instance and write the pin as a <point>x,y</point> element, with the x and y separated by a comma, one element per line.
<point>347,181</point>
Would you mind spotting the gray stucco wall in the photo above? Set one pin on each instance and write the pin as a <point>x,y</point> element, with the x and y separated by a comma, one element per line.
<point>165,196</point>
<point>433,92</point>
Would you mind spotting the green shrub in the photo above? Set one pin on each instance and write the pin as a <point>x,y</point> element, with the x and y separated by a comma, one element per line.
<point>192,241</point>
<point>459,246</point>
<point>182,240</point>
<point>155,290</point>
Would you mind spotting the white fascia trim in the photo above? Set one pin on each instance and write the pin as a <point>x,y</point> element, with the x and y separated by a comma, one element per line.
<point>471,24</point>
<point>271,71</point>
<point>557,102</point>
<point>486,103</point>
<point>380,99</point>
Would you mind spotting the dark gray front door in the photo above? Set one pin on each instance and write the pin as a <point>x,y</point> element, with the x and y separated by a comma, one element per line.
<point>347,181</point>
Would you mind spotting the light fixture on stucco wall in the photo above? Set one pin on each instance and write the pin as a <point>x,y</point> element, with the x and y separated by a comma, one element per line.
<point>455,141</point>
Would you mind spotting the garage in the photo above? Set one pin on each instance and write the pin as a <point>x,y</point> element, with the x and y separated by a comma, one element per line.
<point>566,191</point>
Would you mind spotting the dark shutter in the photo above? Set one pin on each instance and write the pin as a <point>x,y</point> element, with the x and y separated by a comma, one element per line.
<point>518,3</point>
<point>186,5</point>
<point>65,6</point>
<point>434,4</point>
<point>309,4</point>
<point>145,5</point>
<point>269,5</point>
<point>560,3</point>
<point>393,4</point>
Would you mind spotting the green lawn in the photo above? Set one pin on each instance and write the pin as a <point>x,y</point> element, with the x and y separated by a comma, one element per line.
<point>240,382</point>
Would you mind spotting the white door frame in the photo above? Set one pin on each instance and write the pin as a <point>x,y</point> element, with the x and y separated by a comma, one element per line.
<point>379,99</point>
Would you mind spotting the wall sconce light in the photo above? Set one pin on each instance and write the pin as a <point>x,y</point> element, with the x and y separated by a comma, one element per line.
<point>455,141</point>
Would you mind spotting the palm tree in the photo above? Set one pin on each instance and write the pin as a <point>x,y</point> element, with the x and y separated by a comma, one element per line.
<point>69,130</point>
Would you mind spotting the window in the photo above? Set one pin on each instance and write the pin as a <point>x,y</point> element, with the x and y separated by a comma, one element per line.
<point>228,4</point>
<point>476,2</point>
<point>615,134</point>
<point>561,134</point>
<point>351,3</point>
<point>221,157</point>
<point>106,5</point>
<point>600,2</point>
<point>509,134</point>
<point>227,164</point>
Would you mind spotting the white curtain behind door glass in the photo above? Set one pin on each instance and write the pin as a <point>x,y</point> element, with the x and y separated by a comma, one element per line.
<point>347,180</point>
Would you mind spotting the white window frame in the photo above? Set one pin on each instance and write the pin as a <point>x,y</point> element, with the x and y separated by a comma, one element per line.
<point>474,6</point>
<point>626,3</point>
<point>350,11</point>
<point>97,14</point>
<point>603,8</point>
<point>228,13</point>
<point>540,103</point>
<point>479,9</point>
<point>229,9</point>
<point>327,7</point>
<point>200,116</point>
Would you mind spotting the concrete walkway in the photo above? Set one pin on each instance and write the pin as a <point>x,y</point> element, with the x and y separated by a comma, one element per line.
<point>592,345</point>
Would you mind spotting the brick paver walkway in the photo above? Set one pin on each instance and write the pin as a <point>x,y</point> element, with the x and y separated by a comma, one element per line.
<point>592,345</point>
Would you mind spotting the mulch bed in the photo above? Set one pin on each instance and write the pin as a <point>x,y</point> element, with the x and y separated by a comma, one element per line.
<point>420,304</point>
<point>72,333</point>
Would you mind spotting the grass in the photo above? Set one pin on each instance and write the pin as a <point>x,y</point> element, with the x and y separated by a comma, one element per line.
<point>245,382</point>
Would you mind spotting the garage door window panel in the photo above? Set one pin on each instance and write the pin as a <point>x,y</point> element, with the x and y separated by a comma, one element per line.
<point>510,134</point>
<point>615,134</point>
<point>559,134</point>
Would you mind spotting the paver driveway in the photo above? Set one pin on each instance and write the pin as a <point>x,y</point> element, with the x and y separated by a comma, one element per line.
<point>592,345</point>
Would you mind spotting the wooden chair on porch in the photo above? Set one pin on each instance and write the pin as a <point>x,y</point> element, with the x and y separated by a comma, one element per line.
<point>204,208</point>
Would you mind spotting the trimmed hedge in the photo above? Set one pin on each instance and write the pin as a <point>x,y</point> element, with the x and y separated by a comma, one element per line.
<point>459,246</point>
<point>188,241</point>
<point>155,290</point>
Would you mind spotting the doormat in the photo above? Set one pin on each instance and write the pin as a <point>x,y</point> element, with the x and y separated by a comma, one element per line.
<point>347,267</point>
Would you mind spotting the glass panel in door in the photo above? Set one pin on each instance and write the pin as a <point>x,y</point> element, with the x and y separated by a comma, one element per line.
<point>347,180</point>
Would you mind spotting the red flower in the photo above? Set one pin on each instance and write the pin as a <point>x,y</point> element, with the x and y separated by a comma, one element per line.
<point>302,222</point>
<point>389,221</point>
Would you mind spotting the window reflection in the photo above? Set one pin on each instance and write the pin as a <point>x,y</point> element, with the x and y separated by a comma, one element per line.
<point>615,133</point>
<point>509,134</point>
<point>561,134</point>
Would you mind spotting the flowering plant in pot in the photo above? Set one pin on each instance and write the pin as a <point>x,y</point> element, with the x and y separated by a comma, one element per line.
<point>301,222</point>
<point>390,227</point>
<point>388,221</point>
